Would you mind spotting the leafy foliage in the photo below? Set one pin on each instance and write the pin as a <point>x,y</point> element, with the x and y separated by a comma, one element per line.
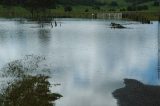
<point>30,91</point>
<point>29,85</point>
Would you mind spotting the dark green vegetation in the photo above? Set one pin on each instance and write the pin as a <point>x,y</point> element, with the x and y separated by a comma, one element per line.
<point>74,8</point>
<point>35,8</point>
<point>26,89</point>
<point>30,91</point>
<point>136,93</point>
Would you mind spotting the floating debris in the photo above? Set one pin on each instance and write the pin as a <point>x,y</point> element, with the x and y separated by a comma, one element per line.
<point>115,25</point>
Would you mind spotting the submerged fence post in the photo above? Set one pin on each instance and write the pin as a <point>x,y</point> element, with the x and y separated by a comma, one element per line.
<point>158,50</point>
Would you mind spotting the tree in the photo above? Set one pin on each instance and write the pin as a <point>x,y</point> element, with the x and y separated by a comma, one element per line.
<point>9,4</point>
<point>122,9</point>
<point>131,8</point>
<point>67,8</point>
<point>26,89</point>
<point>39,5</point>
<point>134,2</point>
<point>80,2</point>
<point>30,91</point>
<point>87,10</point>
<point>34,6</point>
<point>96,8</point>
<point>113,4</point>
<point>143,7</point>
<point>12,2</point>
<point>156,3</point>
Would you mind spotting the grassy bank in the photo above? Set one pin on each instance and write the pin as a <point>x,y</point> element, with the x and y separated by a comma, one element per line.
<point>78,11</point>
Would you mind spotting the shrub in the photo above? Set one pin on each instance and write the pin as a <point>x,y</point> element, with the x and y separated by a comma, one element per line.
<point>122,9</point>
<point>87,10</point>
<point>67,8</point>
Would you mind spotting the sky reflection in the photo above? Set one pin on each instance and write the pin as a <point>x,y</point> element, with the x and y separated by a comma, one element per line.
<point>89,59</point>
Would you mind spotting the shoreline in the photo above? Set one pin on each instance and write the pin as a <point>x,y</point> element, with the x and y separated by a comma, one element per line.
<point>131,15</point>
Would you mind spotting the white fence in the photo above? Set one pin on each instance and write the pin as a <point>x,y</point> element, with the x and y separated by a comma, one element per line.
<point>109,15</point>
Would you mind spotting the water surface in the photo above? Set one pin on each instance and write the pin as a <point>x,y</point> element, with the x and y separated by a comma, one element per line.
<point>88,58</point>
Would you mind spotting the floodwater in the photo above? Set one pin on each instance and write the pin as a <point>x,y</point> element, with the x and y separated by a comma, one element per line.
<point>88,59</point>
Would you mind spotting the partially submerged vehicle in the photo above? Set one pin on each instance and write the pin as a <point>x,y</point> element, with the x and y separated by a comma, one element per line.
<point>115,25</point>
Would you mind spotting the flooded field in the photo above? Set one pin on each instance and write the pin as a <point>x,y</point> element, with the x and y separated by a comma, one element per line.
<point>87,59</point>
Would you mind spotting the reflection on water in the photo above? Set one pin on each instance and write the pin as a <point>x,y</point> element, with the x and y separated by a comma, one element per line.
<point>26,86</point>
<point>87,58</point>
<point>136,93</point>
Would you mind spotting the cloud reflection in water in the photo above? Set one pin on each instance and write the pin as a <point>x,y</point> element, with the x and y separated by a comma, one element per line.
<point>89,59</point>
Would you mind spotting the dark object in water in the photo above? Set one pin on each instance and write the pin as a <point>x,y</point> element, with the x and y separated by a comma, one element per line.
<point>136,93</point>
<point>146,21</point>
<point>30,91</point>
<point>55,24</point>
<point>115,25</point>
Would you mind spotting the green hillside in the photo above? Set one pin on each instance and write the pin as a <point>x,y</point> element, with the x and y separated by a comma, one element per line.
<point>110,5</point>
<point>78,8</point>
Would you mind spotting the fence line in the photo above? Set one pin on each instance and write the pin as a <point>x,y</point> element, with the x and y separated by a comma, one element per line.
<point>158,50</point>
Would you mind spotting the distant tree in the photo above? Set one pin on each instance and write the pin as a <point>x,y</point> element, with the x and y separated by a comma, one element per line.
<point>12,2</point>
<point>137,8</point>
<point>9,4</point>
<point>112,9</point>
<point>80,2</point>
<point>96,8</point>
<point>30,91</point>
<point>67,8</point>
<point>131,8</point>
<point>39,5</point>
<point>134,2</point>
<point>143,7</point>
<point>131,1</point>
<point>87,10</point>
<point>156,3</point>
<point>122,9</point>
<point>113,4</point>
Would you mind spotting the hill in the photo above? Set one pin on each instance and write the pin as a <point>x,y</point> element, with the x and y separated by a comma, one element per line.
<point>111,5</point>
<point>76,8</point>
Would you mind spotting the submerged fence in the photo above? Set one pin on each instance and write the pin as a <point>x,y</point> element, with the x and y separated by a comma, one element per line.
<point>158,50</point>
<point>109,15</point>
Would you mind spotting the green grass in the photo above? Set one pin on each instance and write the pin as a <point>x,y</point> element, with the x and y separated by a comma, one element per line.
<point>77,11</point>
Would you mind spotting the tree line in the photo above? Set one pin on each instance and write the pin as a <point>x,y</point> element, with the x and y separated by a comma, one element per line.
<point>80,2</point>
<point>34,6</point>
<point>41,6</point>
<point>134,2</point>
<point>49,3</point>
